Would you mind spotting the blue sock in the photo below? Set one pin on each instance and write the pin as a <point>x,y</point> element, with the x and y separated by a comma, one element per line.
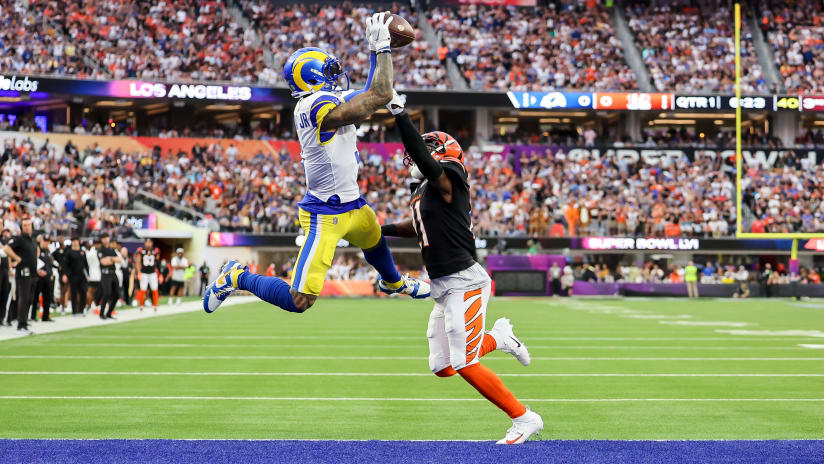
<point>269,289</point>
<point>381,259</point>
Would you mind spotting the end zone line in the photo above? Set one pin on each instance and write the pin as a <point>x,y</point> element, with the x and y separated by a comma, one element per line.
<point>382,374</point>
<point>392,358</point>
<point>286,398</point>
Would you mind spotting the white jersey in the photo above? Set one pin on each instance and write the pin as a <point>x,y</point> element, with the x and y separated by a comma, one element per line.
<point>330,159</point>
<point>94,265</point>
<point>179,274</point>
<point>118,268</point>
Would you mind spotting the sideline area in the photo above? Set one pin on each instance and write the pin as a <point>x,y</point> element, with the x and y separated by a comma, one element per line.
<point>68,322</point>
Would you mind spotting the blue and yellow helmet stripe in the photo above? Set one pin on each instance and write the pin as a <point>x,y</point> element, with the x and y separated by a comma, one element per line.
<point>311,69</point>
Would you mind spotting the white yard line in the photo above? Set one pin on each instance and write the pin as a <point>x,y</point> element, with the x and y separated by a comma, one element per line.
<point>289,398</point>
<point>811,346</point>
<point>708,323</point>
<point>789,337</point>
<point>773,333</point>
<point>373,374</point>
<point>64,323</point>
<point>408,346</point>
<point>395,358</point>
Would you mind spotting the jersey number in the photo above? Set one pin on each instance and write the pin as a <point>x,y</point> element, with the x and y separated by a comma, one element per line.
<point>417,223</point>
<point>148,260</point>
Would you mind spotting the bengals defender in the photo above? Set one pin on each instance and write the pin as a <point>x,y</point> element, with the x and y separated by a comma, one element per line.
<point>146,262</point>
<point>460,286</point>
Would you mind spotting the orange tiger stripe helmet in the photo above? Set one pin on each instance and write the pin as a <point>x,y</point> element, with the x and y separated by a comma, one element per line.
<point>443,147</point>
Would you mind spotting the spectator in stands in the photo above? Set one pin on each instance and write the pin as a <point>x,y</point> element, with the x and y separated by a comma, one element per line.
<point>795,31</point>
<point>339,29</point>
<point>688,46</point>
<point>544,48</point>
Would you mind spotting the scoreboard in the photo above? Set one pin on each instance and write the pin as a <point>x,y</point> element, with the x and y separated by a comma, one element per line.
<point>643,101</point>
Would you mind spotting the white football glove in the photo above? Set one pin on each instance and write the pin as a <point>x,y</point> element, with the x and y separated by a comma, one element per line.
<point>395,106</point>
<point>377,31</point>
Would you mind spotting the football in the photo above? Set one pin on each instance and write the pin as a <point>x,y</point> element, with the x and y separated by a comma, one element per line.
<point>401,32</point>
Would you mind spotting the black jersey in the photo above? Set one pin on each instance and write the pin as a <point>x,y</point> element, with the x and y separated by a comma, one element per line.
<point>106,252</point>
<point>445,229</point>
<point>25,248</point>
<point>147,260</point>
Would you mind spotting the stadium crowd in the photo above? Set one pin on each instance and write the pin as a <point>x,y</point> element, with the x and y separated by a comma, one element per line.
<point>182,41</point>
<point>560,46</point>
<point>554,195</point>
<point>66,190</point>
<point>29,47</point>
<point>538,194</point>
<point>795,31</point>
<point>708,273</point>
<point>787,196</point>
<point>587,136</point>
<point>339,29</point>
<point>688,46</point>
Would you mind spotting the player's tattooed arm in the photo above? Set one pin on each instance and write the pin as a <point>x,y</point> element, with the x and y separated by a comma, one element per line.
<point>364,104</point>
<point>302,300</point>
<point>401,229</point>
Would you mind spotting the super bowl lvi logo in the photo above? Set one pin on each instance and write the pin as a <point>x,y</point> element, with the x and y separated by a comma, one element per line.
<point>23,85</point>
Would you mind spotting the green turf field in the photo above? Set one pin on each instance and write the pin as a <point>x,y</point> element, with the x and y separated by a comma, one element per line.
<point>595,373</point>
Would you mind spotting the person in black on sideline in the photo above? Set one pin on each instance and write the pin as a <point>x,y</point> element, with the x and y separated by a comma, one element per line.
<point>204,277</point>
<point>45,280</point>
<point>22,255</point>
<point>5,280</point>
<point>109,285</point>
<point>75,267</point>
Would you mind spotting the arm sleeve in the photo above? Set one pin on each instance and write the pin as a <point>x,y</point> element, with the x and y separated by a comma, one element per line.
<point>373,63</point>
<point>413,142</point>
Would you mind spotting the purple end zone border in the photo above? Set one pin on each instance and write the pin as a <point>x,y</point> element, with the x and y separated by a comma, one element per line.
<point>452,452</point>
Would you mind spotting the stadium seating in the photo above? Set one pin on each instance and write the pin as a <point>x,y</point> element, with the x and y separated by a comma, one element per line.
<point>785,198</point>
<point>795,32</point>
<point>573,46</point>
<point>549,194</point>
<point>508,48</point>
<point>190,40</point>
<point>690,47</point>
<point>34,50</point>
<point>339,29</point>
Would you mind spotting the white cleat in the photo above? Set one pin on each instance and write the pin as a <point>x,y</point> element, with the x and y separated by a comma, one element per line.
<point>223,286</point>
<point>415,288</point>
<point>522,428</point>
<point>507,342</point>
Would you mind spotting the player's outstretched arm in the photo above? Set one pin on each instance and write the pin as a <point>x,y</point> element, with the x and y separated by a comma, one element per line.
<point>413,142</point>
<point>401,229</point>
<point>379,91</point>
